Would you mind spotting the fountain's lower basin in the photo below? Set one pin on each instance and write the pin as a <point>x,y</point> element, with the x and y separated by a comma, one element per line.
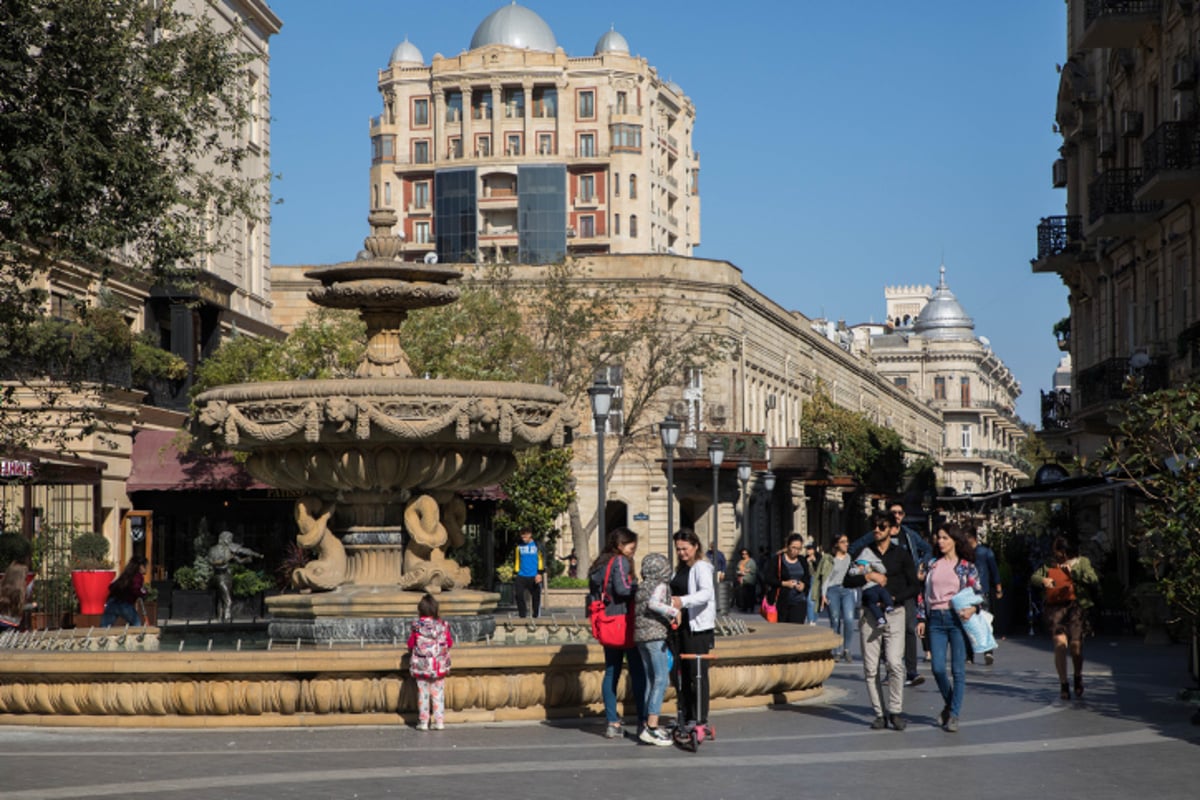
<point>370,685</point>
<point>377,614</point>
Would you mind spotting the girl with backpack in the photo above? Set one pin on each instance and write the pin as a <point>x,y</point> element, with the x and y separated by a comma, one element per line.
<point>1065,582</point>
<point>429,646</point>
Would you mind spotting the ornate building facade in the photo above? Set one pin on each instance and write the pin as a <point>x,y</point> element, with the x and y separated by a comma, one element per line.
<point>1127,244</point>
<point>513,151</point>
<point>929,348</point>
<point>1126,247</point>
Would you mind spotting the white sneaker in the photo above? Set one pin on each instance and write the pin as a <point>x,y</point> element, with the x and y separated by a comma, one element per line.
<point>439,725</point>
<point>655,736</point>
<point>423,725</point>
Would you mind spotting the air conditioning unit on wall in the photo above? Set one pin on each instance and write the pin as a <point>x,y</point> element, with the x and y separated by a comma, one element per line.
<point>1059,173</point>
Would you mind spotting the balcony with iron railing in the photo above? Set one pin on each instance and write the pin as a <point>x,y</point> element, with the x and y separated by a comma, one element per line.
<point>1113,207</point>
<point>1056,410</point>
<point>1059,242</point>
<point>1116,379</point>
<point>1117,23</point>
<point>1171,162</point>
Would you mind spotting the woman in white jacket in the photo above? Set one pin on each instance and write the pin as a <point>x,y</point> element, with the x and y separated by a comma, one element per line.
<point>693,593</point>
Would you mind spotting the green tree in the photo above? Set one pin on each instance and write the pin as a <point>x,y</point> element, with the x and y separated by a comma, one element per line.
<point>1157,448</point>
<point>119,140</point>
<point>558,325</point>
<point>326,344</point>
<point>870,453</point>
<point>538,492</point>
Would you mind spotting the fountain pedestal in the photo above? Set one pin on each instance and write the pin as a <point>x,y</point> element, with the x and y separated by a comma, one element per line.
<point>379,457</point>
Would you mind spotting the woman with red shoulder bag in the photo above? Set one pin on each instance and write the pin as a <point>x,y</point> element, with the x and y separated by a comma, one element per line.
<point>611,580</point>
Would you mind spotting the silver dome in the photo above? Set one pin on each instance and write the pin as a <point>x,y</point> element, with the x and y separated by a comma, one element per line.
<point>406,53</point>
<point>943,317</point>
<point>611,42</point>
<point>515,26</point>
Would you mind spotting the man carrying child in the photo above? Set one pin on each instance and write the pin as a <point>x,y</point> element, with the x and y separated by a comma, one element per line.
<point>886,639</point>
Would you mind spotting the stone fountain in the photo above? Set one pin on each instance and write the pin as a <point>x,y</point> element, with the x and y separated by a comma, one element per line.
<point>379,457</point>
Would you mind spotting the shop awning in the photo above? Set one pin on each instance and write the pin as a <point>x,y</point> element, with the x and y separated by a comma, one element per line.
<point>158,467</point>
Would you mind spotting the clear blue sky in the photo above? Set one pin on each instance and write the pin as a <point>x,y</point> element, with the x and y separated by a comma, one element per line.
<point>844,147</point>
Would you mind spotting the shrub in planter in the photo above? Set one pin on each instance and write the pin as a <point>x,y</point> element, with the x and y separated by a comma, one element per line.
<point>563,582</point>
<point>90,551</point>
<point>91,571</point>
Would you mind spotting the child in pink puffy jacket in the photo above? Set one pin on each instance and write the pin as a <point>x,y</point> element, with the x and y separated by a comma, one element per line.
<point>429,662</point>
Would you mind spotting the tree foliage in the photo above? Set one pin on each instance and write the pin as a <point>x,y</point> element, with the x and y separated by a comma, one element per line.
<point>560,327</point>
<point>119,144</point>
<point>870,453</point>
<point>326,344</point>
<point>1157,448</point>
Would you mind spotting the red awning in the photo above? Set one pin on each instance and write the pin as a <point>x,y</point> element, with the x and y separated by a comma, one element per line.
<point>158,467</point>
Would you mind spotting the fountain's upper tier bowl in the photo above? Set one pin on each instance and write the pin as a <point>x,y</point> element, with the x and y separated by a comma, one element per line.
<point>383,433</point>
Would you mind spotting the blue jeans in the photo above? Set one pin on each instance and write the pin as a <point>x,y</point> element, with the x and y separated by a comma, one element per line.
<point>613,659</point>
<point>812,607</point>
<point>843,611</point>
<point>945,628</point>
<point>114,609</point>
<point>658,676</point>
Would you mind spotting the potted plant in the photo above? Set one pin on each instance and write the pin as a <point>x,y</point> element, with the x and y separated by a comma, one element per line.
<point>1062,332</point>
<point>91,571</point>
<point>504,574</point>
<point>247,587</point>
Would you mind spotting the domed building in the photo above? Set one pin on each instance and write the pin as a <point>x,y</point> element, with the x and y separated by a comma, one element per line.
<point>514,151</point>
<point>929,347</point>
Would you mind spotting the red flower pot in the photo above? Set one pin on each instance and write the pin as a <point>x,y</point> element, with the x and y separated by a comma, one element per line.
<point>91,587</point>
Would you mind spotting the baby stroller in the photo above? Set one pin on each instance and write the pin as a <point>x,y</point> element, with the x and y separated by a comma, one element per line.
<point>688,733</point>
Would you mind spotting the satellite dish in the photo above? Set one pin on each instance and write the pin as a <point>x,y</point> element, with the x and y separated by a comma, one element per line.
<point>431,257</point>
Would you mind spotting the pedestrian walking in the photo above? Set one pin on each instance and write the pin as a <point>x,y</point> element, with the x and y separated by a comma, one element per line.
<point>619,587</point>
<point>693,591</point>
<point>1065,582</point>
<point>841,602</point>
<point>947,574</point>
<point>788,580</point>
<point>529,570</point>
<point>655,618</point>
<point>886,641</point>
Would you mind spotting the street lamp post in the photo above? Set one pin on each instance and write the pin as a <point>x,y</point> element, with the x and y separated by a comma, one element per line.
<point>716,454</point>
<point>768,480</point>
<point>668,431</point>
<point>600,394</point>
<point>743,473</point>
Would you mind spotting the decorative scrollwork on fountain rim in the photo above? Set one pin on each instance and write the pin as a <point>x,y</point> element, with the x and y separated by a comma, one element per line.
<point>248,421</point>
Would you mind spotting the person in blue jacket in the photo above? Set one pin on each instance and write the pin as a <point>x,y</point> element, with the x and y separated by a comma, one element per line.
<point>528,572</point>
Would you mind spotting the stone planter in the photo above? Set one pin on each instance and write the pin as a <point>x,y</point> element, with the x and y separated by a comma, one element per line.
<point>196,604</point>
<point>571,600</point>
<point>248,607</point>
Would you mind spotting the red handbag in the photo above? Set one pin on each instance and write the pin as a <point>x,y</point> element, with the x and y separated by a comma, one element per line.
<point>768,610</point>
<point>610,630</point>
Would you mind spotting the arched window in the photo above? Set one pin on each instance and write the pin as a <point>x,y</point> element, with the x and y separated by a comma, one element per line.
<point>633,187</point>
<point>633,226</point>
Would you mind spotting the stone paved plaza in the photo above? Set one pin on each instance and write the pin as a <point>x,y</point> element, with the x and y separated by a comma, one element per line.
<point>1130,736</point>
